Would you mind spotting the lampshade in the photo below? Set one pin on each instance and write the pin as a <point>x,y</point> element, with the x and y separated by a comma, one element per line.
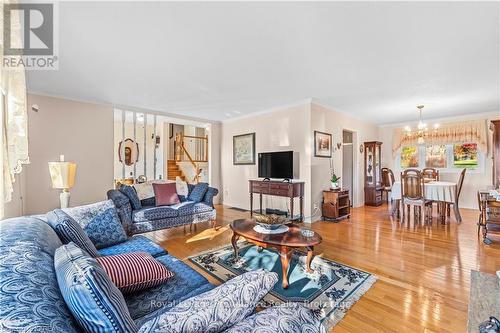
<point>62,174</point>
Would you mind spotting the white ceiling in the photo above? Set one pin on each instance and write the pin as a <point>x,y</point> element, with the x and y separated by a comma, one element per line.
<point>223,60</point>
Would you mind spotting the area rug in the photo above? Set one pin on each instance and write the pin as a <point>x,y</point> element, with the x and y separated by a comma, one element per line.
<point>329,292</point>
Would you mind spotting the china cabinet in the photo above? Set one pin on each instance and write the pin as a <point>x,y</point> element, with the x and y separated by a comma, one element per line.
<point>373,182</point>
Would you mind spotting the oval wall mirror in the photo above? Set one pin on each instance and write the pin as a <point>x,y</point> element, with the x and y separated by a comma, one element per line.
<point>128,152</point>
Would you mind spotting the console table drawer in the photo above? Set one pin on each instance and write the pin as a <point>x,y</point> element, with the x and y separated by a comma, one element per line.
<point>279,187</point>
<point>260,188</point>
<point>283,193</point>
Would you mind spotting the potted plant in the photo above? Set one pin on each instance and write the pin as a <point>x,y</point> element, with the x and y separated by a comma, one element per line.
<point>335,181</point>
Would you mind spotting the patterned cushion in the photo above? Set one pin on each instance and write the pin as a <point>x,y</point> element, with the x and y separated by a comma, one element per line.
<point>131,194</point>
<point>123,207</point>
<point>193,208</point>
<point>95,302</point>
<point>209,196</point>
<point>101,223</point>
<point>287,318</point>
<point>134,271</point>
<point>30,300</point>
<point>185,283</point>
<point>165,194</point>
<point>139,227</point>
<point>69,230</point>
<point>217,309</point>
<point>134,244</point>
<point>198,192</point>
<point>154,213</point>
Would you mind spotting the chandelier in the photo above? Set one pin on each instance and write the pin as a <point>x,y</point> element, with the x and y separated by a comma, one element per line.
<point>421,132</point>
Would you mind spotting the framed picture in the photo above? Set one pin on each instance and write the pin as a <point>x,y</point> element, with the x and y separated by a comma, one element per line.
<point>244,149</point>
<point>322,144</point>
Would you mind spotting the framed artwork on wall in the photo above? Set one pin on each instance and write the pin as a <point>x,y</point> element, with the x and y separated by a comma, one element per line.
<point>322,144</point>
<point>244,149</point>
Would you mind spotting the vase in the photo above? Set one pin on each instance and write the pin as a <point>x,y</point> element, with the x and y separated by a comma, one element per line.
<point>334,185</point>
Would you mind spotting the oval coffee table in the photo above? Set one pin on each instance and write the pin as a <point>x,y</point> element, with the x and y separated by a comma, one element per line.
<point>285,242</point>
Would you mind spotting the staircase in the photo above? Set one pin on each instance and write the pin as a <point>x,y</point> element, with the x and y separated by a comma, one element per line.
<point>174,171</point>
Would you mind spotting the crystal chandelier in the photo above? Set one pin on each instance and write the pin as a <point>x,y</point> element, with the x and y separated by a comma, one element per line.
<point>421,132</point>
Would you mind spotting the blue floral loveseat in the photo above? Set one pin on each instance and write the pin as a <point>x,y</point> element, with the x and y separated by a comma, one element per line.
<point>143,216</point>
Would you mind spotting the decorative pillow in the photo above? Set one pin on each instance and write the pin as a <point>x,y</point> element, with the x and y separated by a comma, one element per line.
<point>90,295</point>
<point>198,192</point>
<point>145,190</point>
<point>287,318</point>
<point>165,194</point>
<point>217,309</point>
<point>131,193</point>
<point>101,223</point>
<point>69,230</point>
<point>134,271</point>
<point>181,187</point>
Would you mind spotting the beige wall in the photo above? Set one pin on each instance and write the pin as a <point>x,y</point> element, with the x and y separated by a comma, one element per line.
<point>280,130</point>
<point>83,132</point>
<point>325,119</point>
<point>474,179</point>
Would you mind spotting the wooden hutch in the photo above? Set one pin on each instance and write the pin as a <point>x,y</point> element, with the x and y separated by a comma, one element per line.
<point>495,126</point>
<point>373,181</point>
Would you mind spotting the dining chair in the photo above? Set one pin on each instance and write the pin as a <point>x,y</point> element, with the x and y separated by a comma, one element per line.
<point>387,181</point>
<point>457,197</point>
<point>413,194</point>
<point>489,218</point>
<point>430,173</point>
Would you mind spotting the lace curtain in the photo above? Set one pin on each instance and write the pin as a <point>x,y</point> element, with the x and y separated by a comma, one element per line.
<point>460,132</point>
<point>14,118</point>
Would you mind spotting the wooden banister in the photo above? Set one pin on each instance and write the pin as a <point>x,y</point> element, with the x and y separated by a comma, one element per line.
<point>182,153</point>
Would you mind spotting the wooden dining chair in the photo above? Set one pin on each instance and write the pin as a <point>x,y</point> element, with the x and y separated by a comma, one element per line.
<point>430,173</point>
<point>413,194</point>
<point>457,197</point>
<point>489,219</point>
<point>387,181</point>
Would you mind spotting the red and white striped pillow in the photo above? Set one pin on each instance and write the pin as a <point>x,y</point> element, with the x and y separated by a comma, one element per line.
<point>134,271</point>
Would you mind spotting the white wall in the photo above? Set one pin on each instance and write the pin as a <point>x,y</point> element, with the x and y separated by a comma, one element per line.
<point>280,130</point>
<point>215,159</point>
<point>83,133</point>
<point>474,179</point>
<point>330,121</point>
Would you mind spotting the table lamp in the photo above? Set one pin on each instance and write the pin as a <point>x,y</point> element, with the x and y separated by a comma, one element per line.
<point>63,177</point>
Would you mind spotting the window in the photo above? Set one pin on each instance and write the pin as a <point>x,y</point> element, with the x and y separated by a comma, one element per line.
<point>409,157</point>
<point>435,156</point>
<point>465,155</point>
<point>447,157</point>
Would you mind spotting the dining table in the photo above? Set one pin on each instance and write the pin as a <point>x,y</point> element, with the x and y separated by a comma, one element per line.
<point>438,191</point>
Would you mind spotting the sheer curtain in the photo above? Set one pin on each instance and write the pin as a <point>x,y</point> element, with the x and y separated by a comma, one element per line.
<point>14,120</point>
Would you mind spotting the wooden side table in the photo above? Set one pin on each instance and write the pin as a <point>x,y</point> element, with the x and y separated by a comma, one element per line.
<point>336,205</point>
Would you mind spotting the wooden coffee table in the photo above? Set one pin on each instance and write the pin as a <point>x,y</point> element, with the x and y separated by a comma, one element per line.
<point>285,243</point>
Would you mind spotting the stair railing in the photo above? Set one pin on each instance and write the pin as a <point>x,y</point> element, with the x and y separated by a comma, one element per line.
<point>199,151</point>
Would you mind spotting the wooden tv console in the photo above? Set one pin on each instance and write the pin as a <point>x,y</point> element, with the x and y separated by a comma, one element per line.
<point>280,189</point>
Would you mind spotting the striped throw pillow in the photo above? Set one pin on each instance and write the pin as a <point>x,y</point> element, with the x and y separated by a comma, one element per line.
<point>134,271</point>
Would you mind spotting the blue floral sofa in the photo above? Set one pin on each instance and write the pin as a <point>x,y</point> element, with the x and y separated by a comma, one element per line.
<point>144,216</point>
<point>31,300</point>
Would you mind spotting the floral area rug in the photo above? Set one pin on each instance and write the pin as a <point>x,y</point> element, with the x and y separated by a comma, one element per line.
<point>329,291</point>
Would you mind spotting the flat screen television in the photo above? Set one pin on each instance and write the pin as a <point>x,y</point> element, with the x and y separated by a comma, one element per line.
<point>276,165</point>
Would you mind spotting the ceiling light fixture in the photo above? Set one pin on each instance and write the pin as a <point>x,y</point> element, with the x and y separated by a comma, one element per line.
<point>421,132</point>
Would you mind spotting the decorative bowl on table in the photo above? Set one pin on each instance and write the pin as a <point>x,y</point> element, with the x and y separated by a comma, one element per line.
<point>270,222</point>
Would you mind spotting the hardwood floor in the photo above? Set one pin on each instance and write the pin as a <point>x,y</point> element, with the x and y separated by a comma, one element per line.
<point>423,271</point>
